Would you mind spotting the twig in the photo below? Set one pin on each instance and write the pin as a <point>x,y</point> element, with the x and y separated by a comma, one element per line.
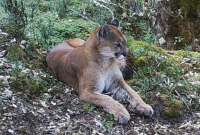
<point>182,100</point>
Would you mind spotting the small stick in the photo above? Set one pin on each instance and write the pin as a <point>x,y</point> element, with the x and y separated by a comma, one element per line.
<point>182,100</point>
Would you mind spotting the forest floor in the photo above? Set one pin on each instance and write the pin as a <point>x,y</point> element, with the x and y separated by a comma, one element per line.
<point>59,111</point>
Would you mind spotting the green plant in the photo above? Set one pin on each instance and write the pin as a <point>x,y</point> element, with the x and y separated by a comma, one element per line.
<point>88,107</point>
<point>24,82</point>
<point>62,8</point>
<point>48,30</point>
<point>109,121</point>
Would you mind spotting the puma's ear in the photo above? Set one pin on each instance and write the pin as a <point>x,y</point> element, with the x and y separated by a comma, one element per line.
<point>114,22</point>
<point>103,31</point>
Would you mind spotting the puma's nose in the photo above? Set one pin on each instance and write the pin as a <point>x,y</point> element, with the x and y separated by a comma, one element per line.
<point>125,52</point>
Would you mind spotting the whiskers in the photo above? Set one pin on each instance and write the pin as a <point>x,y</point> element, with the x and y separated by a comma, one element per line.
<point>106,52</point>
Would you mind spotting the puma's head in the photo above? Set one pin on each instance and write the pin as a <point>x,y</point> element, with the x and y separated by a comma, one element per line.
<point>112,42</point>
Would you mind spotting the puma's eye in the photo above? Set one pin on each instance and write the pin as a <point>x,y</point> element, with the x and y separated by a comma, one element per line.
<point>118,45</point>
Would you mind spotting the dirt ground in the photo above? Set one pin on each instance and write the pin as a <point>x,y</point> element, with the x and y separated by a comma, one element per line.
<point>61,112</point>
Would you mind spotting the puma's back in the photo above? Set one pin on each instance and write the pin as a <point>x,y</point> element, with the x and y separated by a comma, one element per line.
<point>59,62</point>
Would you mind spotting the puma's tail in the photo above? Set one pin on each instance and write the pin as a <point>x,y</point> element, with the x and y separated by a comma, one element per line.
<point>76,42</point>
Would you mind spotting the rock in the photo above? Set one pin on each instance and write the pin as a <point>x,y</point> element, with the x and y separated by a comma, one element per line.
<point>43,103</point>
<point>7,93</point>
<point>41,110</point>
<point>50,89</point>
<point>14,105</point>
<point>66,90</point>
<point>23,42</point>
<point>24,110</point>
<point>3,33</point>
<point>98,123</point>
<point>23,47</point>
<point>3,53</point>
<point>13,40</point>
<point>53,103</point>
<point>26,71</point>
<point>11,131</point>
<point>35,73</point>
<point>4,80</point>
<point>198,115</point>
<point>186,60</point>
<point>195,83</point>
<point>67,116</point>
<point>162,41</point>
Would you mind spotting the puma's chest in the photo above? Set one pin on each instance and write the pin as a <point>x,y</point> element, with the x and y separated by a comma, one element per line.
<point>108,78</point>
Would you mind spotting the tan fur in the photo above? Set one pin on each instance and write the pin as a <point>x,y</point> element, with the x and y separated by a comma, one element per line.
<point>93,69</point>
<point>76,42</point>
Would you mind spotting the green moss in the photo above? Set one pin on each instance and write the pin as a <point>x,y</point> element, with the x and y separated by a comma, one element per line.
<point>141,61</point>
<point>109,121</point>
<point>26,83</point>
<point>88,107</point>
<point>173,108</point>
<point>194,59</point>
<point>16,53</point>
<point>188,54</point>
<point>142,46</point>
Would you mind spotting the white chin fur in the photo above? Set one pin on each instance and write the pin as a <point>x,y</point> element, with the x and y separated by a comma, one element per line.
<point>121,60</point>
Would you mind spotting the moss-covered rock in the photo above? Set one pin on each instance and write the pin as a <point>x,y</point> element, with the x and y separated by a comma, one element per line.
<point>160,71</point>
<point>155,58</point>
<point>187,54</point>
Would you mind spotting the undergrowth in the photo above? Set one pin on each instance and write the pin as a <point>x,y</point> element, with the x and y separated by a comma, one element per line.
<point>158,75</point>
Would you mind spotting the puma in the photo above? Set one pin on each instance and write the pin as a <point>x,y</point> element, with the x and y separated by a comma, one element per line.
<point>93,69</point>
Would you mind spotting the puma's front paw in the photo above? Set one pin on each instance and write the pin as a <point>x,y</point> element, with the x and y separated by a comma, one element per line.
<point>123,118</point>
<point>145,109</point>
<point>120,113</point>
